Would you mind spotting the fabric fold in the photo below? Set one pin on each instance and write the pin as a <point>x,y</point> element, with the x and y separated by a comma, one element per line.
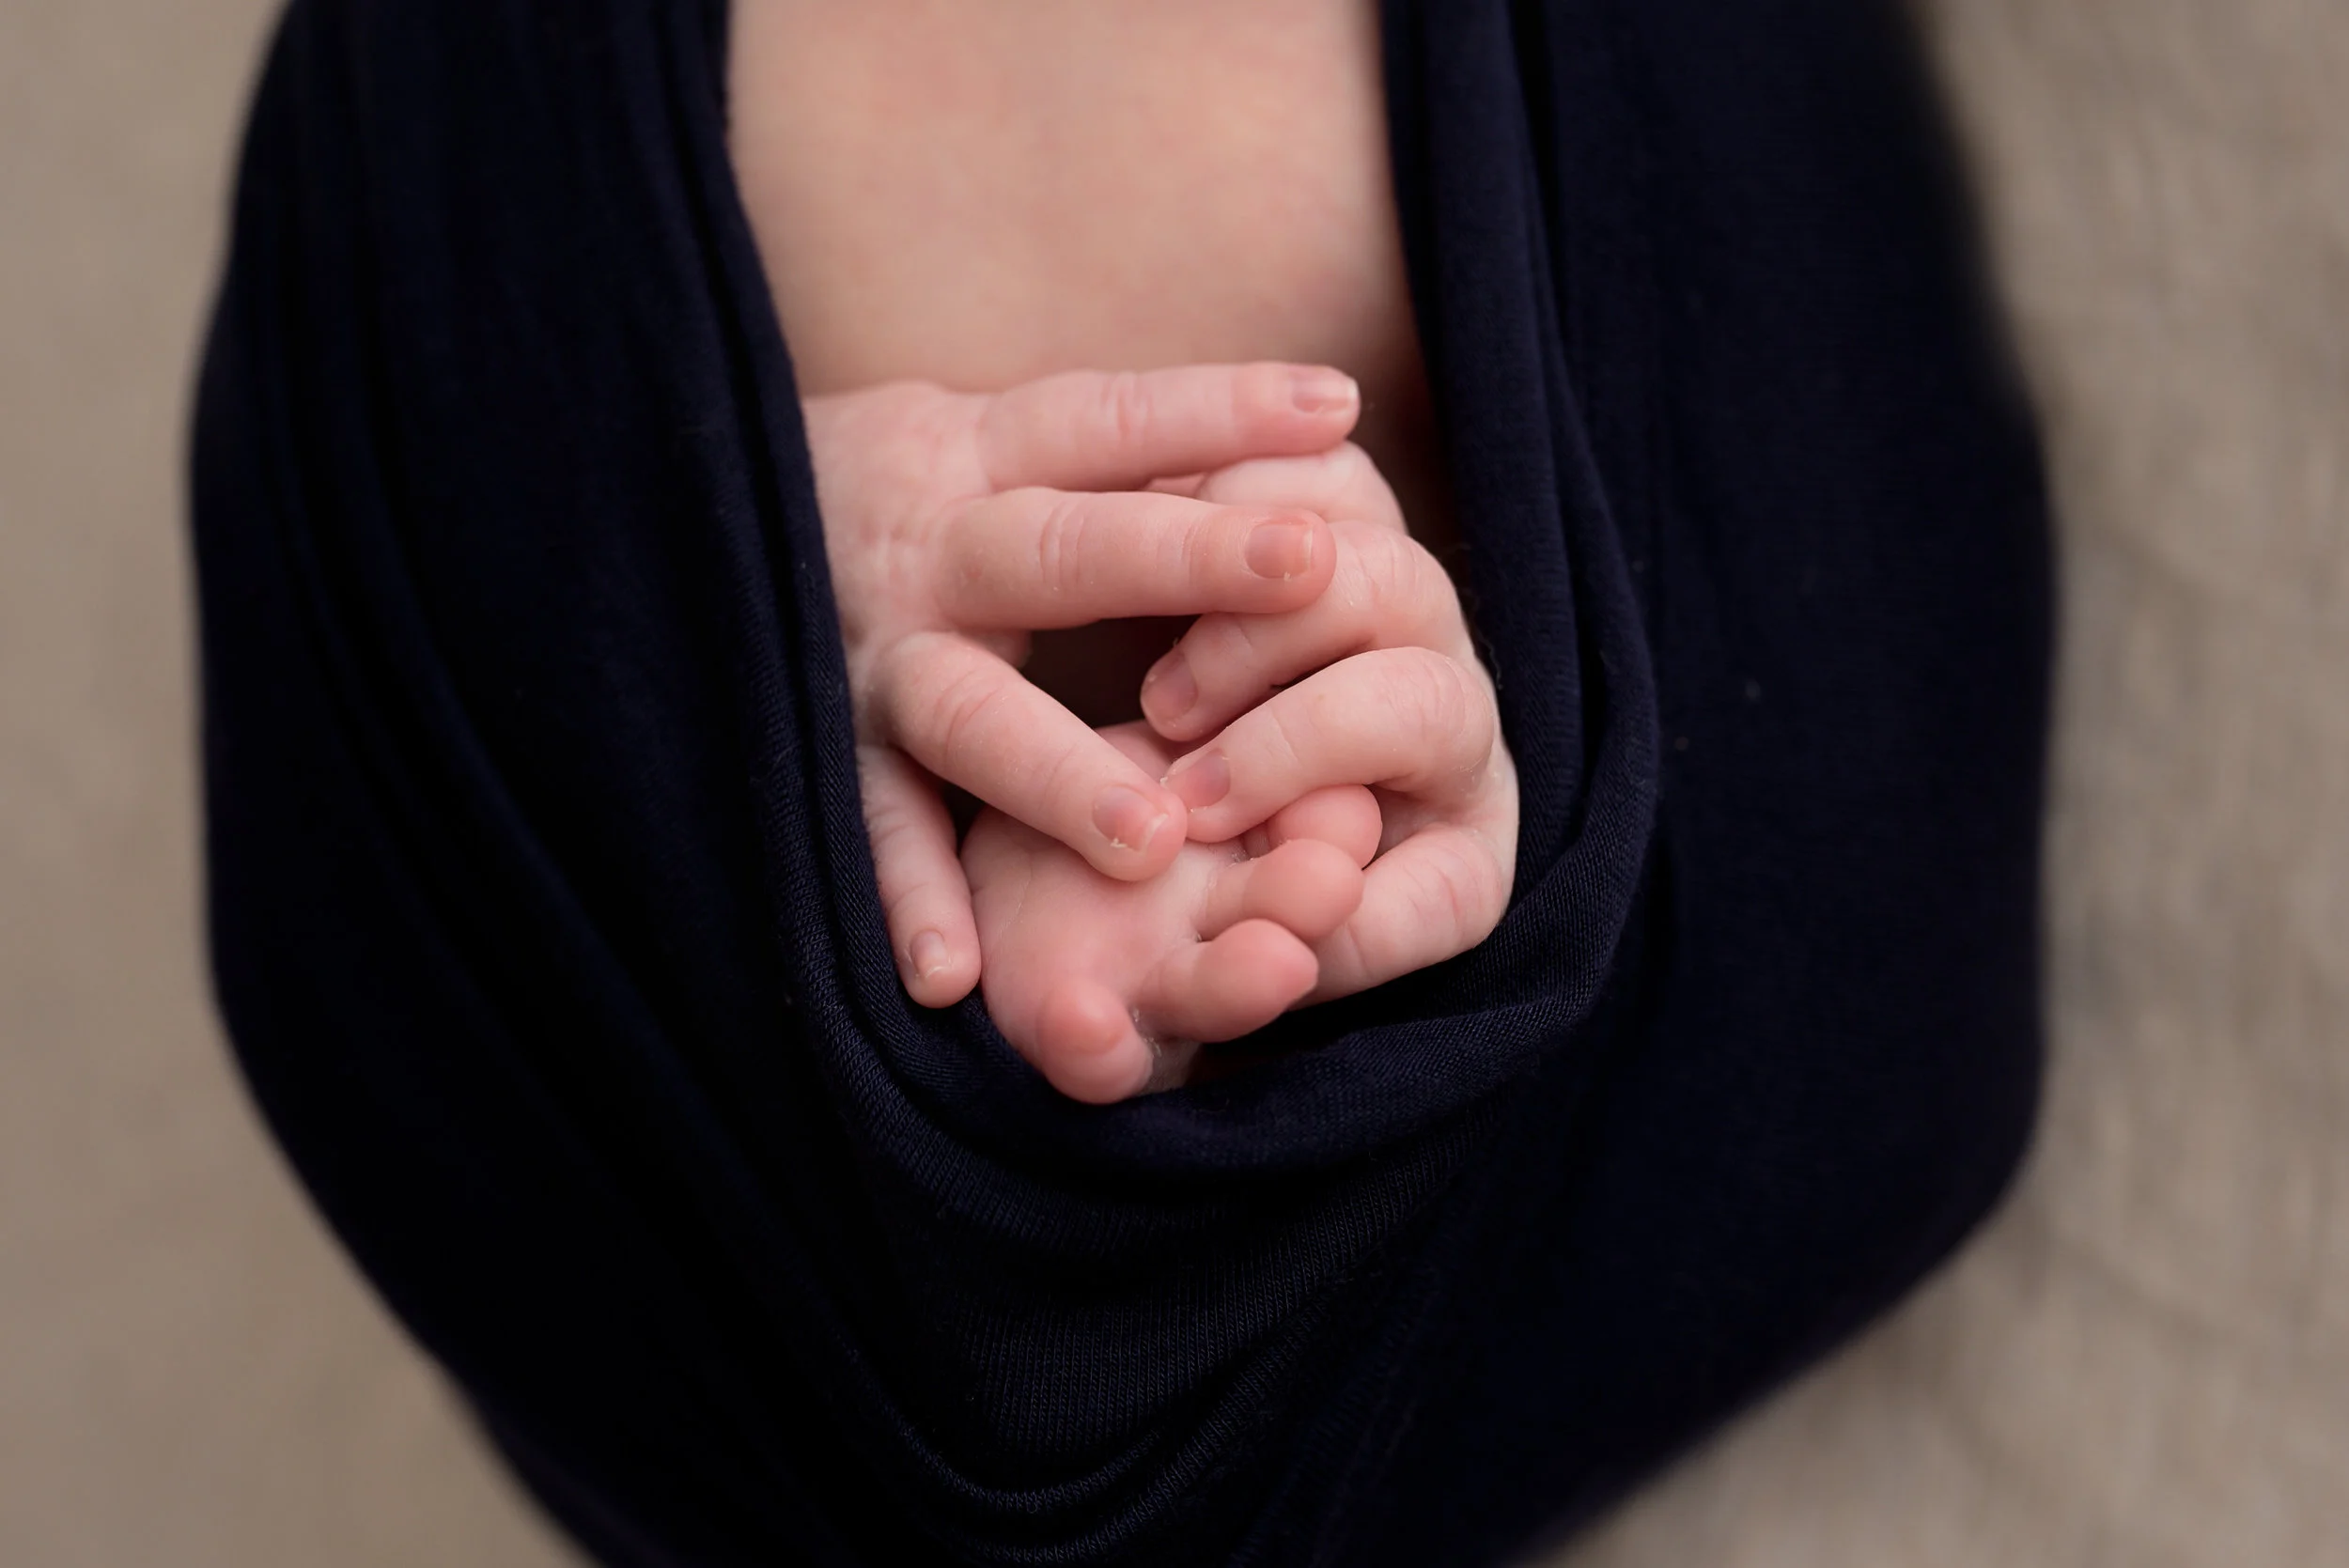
<point>544,921</point>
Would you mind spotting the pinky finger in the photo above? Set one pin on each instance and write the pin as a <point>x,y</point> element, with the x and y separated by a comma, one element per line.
<point>925,896</point>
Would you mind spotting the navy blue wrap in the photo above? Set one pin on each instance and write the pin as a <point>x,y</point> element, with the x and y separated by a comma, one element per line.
<point>544,920</point>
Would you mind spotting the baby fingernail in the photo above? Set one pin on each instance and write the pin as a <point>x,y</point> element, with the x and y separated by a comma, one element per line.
<point>928,951</point>
<point>1281,548</point>
<point>1170,689</point>
<point>1126,818</point>
<point>1323,391</point>
<point>1202,781</point>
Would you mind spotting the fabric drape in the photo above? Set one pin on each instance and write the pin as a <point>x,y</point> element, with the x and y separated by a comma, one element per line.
<point>544,923</point>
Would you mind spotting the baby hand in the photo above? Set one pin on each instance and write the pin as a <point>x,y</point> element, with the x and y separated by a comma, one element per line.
<point>1388,691</point>
<point>1109,987</point>
<point>956,525</point>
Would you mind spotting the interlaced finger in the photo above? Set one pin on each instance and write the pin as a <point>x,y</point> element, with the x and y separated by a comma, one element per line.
<point>1034,559</point>
<point>1118,431</point>
<point>973,720</point>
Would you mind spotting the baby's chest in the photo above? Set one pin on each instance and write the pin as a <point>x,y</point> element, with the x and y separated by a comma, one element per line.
<point>980,193</point>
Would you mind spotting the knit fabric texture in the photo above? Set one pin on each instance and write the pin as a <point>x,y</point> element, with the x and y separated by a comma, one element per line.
<point>544,920</point>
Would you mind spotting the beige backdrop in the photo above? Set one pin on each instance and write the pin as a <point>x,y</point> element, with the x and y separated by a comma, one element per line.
<point>2145,1362</point>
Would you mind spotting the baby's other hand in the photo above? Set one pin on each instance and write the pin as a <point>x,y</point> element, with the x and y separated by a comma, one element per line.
<point>1374,682</point>
<point>1109,987</point>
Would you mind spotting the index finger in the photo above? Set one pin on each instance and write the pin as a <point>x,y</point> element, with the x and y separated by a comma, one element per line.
<point>967,716</point>
<point>1114,430</point>
<point>1029,559</point>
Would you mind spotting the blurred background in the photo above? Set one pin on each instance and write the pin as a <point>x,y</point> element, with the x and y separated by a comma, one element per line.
<point>2143,1361</point>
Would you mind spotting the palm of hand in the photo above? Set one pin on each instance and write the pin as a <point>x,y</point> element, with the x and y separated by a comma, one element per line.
<point>1109,987</point>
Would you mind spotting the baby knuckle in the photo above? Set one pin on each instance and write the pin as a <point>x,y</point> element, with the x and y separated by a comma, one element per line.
<point>1060,544</point>
<point>1249,644</point>
<point>1471,906</point>
<point>955,704</point>
<point>1480,894</point>
<point>1285,737</point>
<point>1063,778</point>
<point>903,908</point>
<point>1442,909</point>
<point>1447,900</point>
<point>1260,387</point>
<point>1387,577</point>
<point>1437,688</point>
<point>1424,600</point>
<point>898,865</point>
<point>961,719</point>
<point>1196,547</point>
<point>1123,404</point>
